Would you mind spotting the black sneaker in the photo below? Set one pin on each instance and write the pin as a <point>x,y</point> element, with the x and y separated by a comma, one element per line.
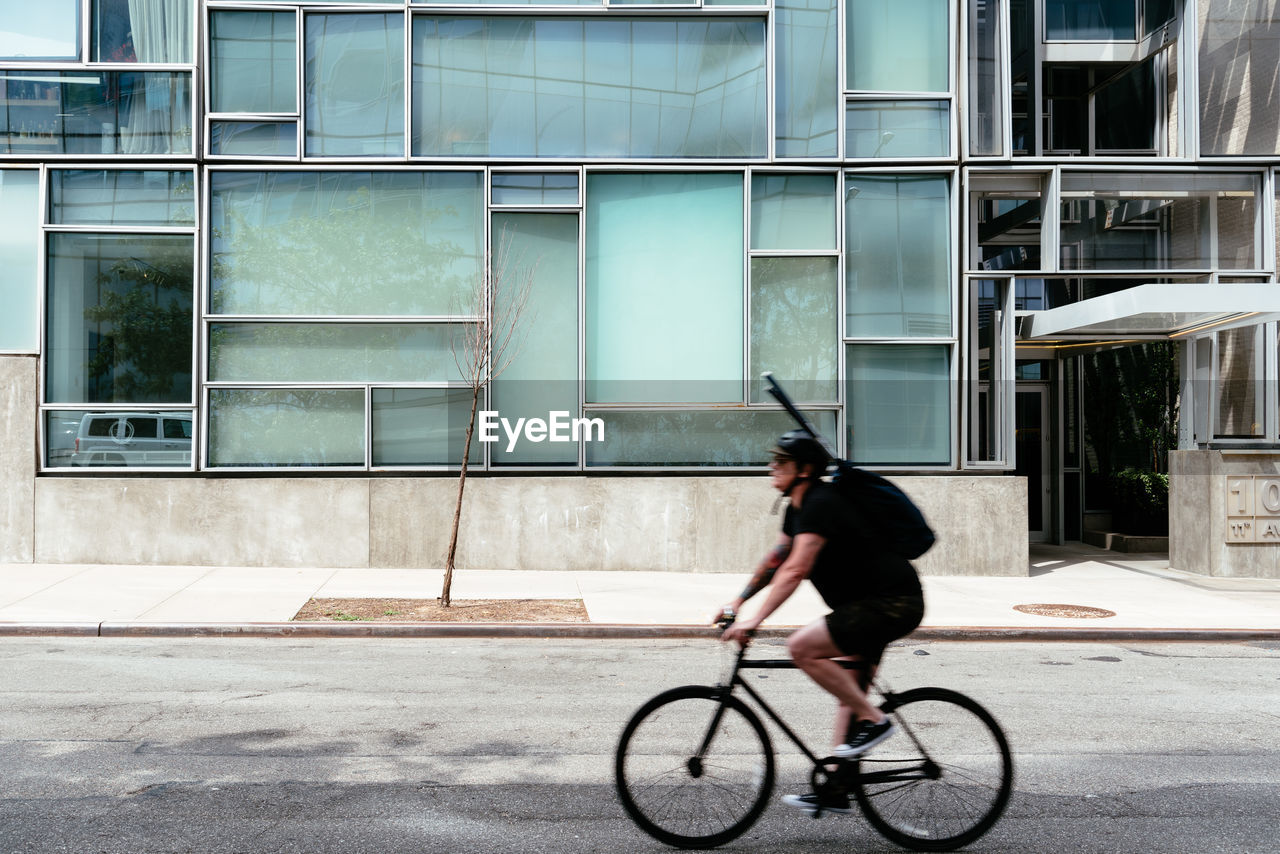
<point>862,736</point>
<point>811,803</point>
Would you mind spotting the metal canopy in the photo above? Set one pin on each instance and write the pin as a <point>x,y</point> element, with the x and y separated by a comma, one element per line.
<point>1153,312</point>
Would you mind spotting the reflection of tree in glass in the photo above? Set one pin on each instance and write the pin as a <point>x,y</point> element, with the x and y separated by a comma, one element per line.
<point>286,427</point>
<point>356,258</point>
<point>792,299</point>
<point>144,316</point>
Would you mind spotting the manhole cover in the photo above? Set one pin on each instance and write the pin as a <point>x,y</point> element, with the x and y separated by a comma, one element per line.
<point>1071,611</point>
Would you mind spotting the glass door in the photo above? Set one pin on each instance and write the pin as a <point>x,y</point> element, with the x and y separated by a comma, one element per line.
<point>1034,455</point>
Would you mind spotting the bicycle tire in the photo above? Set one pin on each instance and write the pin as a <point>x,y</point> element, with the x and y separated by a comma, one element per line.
<point>677,801</point>
<point>954,801</point>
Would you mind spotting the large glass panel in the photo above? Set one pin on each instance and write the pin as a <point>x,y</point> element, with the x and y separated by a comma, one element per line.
<point>95,112</point>
<point>898,251</point>
<point>253,61</point>
<point>254,139</point>
<point>1090,20</point>
<point>899,404</point>
<point>535,188</point>
<point>701,438</point>
<point>986,64</point>
<point>808,77</point>
<point>1241,388</point>
<point>589,87</point>
<point>362,243</point>
<point>119,317</point>
<point>664,326</point>
<point>134,439</point>
<point>286,427</point>
<point>540,250</point>
<point>1238,41</point>
<point>1132,221</point>
<point>355,85</point>
<point>332,352</point>
<point>142,30</point>
<point>898,45</point>
<point>19,255</point>
<point>49,29</point>
<point>794,315</point>
<point>115,197</point>
<point>423,427</point>
<point>793,211</point>
<point>898,129</point>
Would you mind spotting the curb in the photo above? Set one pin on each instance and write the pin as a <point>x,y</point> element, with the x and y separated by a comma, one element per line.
<point>596,631</point>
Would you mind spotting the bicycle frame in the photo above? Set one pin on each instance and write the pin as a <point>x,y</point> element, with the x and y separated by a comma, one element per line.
<point>927,769</point>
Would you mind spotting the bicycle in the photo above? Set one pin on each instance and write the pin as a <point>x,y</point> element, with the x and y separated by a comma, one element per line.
<point>940,782</point>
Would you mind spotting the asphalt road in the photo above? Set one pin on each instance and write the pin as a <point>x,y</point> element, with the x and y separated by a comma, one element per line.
<point>506,746</point>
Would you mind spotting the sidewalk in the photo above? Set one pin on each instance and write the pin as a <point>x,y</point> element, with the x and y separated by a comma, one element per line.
<point>1149,599</point>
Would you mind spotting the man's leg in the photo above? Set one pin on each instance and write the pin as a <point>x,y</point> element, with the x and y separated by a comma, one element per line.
<point>813,651</point>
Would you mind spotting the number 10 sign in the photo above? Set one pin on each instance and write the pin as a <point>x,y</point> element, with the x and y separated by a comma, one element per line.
<point>1253,509</point>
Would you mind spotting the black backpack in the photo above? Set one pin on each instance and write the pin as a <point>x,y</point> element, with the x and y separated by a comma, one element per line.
<point>894,518</point>
<point>897,522</point>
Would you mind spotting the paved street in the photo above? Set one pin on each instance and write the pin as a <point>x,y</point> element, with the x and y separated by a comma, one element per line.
<point>114,745</point>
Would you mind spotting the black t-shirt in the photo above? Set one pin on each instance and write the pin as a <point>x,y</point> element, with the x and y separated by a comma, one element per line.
<point>852,565</point>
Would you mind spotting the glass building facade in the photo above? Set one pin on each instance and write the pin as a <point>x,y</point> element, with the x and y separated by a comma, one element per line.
<point>260,233</point>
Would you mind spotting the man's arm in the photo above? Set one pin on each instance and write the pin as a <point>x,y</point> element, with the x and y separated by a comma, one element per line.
<point>795,569</point>
<point>764,572</point>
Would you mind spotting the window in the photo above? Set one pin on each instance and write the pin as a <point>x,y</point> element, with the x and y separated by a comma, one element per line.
<point>354,85</point>
<point>345,243</point>
<point>794,314</point>
<point>156,31</point>
<point>115,197</point>
<point>898,255</point>
<point>1241,388</point>
<point>47,30</point>
<point>253,57</point>
<point>664,326</point>
<point>898,129</point>
<point>807,69</point>
<point>318,427</point>
<point>898,45</point>
<point>589,87</point>
<point>793,211</point>
<point>95,112</point>
<point>707,438</point>
<point>119,318</point>
<point>899,404</point>
<point>19,255</point>
<point>1090,20</point>
<point>989,364</point>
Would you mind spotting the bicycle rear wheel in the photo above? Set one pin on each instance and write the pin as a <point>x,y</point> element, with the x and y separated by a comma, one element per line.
<point>942,779</point>
<point>680,796</point>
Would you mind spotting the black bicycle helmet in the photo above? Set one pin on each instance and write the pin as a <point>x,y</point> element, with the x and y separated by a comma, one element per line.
<point>803,448</point>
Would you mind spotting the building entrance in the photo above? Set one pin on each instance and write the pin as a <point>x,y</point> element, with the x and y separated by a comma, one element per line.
<point>1034,450</point>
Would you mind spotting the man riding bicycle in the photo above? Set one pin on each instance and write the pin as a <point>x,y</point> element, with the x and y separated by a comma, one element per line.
<point>874,594</point>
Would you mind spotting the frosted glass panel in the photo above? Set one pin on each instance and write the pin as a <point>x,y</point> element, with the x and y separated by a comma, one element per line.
<point>794,314</point>
<point>286,427</point>
<point>423,427</point>
<point>119,317</point>
<point>254,139</point>
<point>543,376</point>
<point>899,404</point>
<point>589,87</point>
<point>362,243</point>
<point>898,129</point>
<point>664,311</point>
<point>898,45</point>
<point>808,78</point>
<point>793,211</point>
<point>898,251</point>
<point>331,352</point>
<point>706,438</point>
<point>47,29</point>
<point>355,85</point>
<point>254,62</point>
<point>19,252</point>
<point>115,197</point>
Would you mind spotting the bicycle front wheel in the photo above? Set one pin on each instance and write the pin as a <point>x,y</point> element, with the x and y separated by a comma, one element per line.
<point>694,768</point>
<point>942,779</point>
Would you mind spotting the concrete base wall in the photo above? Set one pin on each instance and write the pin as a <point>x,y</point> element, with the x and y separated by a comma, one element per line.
<point>18,384</point>
<point>1198,515</point>
<point>705,524</point>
